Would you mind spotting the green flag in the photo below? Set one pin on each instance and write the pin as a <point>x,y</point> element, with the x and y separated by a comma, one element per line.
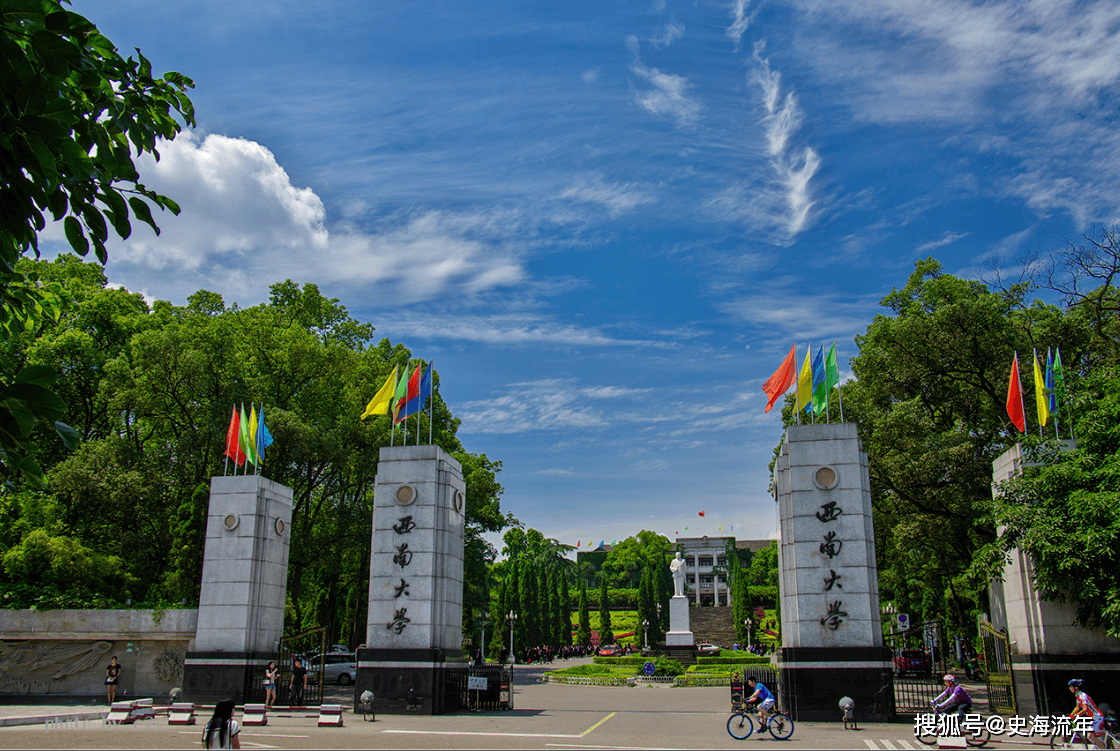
<point>1059,379</point>
<point>247,443</point>
<point>831,368</point>
<point>399,397</point>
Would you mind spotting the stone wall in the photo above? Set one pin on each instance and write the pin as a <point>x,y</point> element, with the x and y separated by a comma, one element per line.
<point>63,653</point>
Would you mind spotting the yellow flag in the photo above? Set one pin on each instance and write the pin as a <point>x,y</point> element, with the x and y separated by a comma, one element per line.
<point>1041,398</point>
<point>805,384</point>
<point>379,405</point>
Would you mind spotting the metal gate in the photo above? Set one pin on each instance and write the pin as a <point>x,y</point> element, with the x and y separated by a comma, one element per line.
<point>996,660</point>
<point>310,647</point>
<point>918,658</point>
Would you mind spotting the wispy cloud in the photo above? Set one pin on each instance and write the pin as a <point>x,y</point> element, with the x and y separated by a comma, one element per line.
<point>945,239</point>
<point>782,204</point>
<point>789,314</point>
<point>667,94</point>
<point>670,31</point>
<point>618,198</point>
<point>512,329</point>
<point>740,20</point>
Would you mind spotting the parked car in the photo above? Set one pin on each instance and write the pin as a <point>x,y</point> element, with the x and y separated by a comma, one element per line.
<point>912,662</point>
<point>338,667</point>
<point>705,647</point>
<point>610,650</point>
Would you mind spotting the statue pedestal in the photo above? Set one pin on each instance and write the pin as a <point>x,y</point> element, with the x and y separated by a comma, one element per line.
<point>678,634</point>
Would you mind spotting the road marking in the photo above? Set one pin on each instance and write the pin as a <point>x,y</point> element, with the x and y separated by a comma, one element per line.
<point>886,744</point>
<point>623,748</point>
<point>502,735</point>
<point>597,724</point>
<point>871,744</point>
<point>906,744</point>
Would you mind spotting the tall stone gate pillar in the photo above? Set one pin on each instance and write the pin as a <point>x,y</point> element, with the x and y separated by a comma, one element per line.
<point>244,582</point>
<point>413,660</point>
<point>832,637</point>
<point>1047,647</point>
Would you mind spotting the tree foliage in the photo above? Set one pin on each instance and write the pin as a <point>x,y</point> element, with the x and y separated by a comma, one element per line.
<point>74,114</point>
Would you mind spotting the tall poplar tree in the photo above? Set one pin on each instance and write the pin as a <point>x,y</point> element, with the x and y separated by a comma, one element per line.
<point>606,636</point>
<point>583,635</point>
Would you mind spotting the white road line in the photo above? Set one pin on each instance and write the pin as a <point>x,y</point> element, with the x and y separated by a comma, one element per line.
<point>871,744</point>
<point>886,744</point>
<point>623,748</point>
<point>906,744</point>
<point>503,735</point>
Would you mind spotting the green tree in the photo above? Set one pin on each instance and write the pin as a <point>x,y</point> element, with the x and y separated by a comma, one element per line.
<point>74,115</point>
<point>1063,513</point>
<point>606,636</point>
<point>583,635</point>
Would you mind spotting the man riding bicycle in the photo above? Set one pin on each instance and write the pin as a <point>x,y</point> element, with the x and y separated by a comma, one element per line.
<point>1086,706</point>
<point>764,698</point>
<point>953,697</point>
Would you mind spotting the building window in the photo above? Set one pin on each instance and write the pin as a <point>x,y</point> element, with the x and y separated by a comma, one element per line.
<point>722,561</point>
<point>705,560</point>
<point>691,578</point>
<point>690,562</point>
<point>722,579</point>
<point>705,578</point>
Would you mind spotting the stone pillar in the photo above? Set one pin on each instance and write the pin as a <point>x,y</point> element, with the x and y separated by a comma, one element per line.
<point>832,638</point>
<point>244,583</point>
<point>413,660</point>
<point>1047,647</point>
<point>679,633</point>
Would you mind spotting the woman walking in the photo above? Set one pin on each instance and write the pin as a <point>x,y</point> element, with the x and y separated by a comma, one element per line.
<point>271,678</point>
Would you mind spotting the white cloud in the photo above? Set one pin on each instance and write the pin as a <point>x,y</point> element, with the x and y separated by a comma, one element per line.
<point>794,314</point>
<point>618,198</point>
<point>512,329</point>
<point>670,31</point>
<point>781,204</point>
<point>667,95</point>
<point>244,226</point>
<point>740,20</point>
<point>945,239</point>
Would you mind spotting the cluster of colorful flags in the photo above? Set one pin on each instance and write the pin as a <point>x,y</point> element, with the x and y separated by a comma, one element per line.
<point>819,375</point>
<point>1049,390</point>
<point>247,438</point>
<point>403,397</point>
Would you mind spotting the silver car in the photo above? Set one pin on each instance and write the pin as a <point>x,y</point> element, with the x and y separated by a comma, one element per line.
<point>338,668</point>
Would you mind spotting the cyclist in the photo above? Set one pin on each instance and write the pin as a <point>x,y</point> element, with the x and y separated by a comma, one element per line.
<point>764,698</point>
<point>1086,707</point>
<point>953,697</point>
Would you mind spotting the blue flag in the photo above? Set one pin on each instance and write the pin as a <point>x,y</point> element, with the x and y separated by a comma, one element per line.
<point>820,382</point>
<point>264,438</point>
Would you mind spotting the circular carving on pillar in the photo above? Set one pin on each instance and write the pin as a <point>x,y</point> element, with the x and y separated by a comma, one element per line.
<point>406,494</point>
<point>457,499</point>
<point>279,526</point>
<point>230,522</point>
<point>825,478</point>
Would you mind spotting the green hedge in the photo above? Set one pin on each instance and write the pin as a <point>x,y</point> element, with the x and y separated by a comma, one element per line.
<point>745,660</point>
<point>629,660</point>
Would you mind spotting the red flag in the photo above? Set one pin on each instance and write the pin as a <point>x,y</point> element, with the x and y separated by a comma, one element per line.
<point>1015,398</point>
<point>782,379</point>
<point>412,393</point>
<point>701,513</point>
<point>233,444</point>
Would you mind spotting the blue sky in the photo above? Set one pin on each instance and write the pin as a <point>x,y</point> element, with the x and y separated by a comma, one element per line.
<point>607,222</point>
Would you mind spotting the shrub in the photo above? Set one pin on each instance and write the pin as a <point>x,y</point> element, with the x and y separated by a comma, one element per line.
<point>663,667</point>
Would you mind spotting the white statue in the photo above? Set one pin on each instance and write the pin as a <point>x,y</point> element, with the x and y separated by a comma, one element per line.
<point>677,567</point>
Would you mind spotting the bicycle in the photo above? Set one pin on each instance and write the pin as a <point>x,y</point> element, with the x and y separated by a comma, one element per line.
<point>741,725</point>
<point>1077,739</point>
<point>977,738</point>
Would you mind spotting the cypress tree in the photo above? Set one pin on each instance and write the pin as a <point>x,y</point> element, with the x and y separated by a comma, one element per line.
<point>606,636</point>
<point>527,613</point>
<point>583,636</point>
<point>665,591</point>
<point>545,607</point>
<point>558,614</point>
<point>566,612</point>
<point>645,605</point>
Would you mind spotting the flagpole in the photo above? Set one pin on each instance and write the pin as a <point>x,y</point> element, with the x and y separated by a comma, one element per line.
<point>1022,404</point>
<point>419,412</point>
<point>431,409</point>
<point>812,414</point>
<point>225,468</point>
<point>797,384</point>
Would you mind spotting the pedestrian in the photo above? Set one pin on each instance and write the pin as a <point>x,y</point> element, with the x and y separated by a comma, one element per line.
<point>222,731</point>
<point>112,676</point>
<point>271,678</point>
<point>297,684</point>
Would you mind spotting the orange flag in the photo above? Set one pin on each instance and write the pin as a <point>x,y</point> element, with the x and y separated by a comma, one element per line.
<point>782,379</point>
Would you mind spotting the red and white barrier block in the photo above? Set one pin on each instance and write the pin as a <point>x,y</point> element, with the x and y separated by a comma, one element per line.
<point>128,712</point>
<point>330,715</point>
<point>181,714</point>
<point>255,714</point>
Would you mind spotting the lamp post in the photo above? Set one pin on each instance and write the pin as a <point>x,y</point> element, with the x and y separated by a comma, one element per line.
<point>483,624</point>
<point>748,623</point>
<point>645,628</point>
<point>512,619</point>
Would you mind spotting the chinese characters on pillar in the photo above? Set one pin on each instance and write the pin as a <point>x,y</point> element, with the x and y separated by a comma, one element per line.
<point>402,558</point>
<point>831,547</point>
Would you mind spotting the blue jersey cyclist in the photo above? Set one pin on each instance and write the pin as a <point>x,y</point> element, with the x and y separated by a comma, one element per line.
<point>764,698</point>
<point>953,697</point>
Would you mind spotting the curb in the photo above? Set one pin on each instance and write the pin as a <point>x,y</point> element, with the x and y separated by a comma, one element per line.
<point>44,719</point>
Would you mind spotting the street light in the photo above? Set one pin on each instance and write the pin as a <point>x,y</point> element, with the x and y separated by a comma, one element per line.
<point>483,624</point>
<point>512,619</point>
<point>748,623</point>
<point>645,627</point>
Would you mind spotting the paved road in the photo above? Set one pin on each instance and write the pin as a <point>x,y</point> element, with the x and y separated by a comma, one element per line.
<point>547,716</point>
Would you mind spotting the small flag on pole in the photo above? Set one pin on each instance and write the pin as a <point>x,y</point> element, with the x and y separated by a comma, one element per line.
<point>701,513</point>
<point>779,383</point>
<point>1041,400</point>
<point>1015,398</point>
<point>379,405</point>
<point>233,434</point>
